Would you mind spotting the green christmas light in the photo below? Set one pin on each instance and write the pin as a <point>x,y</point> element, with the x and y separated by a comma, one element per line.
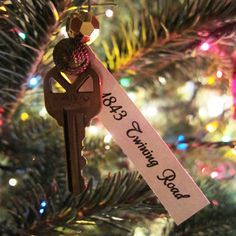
<point>22,35</point>
<point>125,82</point>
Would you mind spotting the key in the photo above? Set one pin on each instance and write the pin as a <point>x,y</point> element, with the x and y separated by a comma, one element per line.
<point>73,110</point>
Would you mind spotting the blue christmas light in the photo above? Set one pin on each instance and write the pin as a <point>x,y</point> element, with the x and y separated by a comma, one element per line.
<point>181,138</point>
<point>182,146</point>
<point>34,81</point>
<point>43,204</point>
<point>41,211</point>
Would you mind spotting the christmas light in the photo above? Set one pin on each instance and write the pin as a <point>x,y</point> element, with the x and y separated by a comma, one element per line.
<point>34,81</point>
<point>226,139</point>
<point>12,182</point>
<point>2,8</point>
<point>43,204</point>
<point>149,111</point>
<point>162,80</point>
<point>215,202</point>
<point>202,112</point>
<point>212,127</point>
<point>93,130</point>
<point>109,13</point>
<point>41,211</point>
<point>22,35</point>
<point>205,47</point>
<point>204,169</point>
<point>219,74</point>
<point>24,116</point>
<point>186,91</point>
<point>132,96</point>
<point>107,138</point>
<point>182,146</point>
<point>181,138</point>
<point>107,147</point>
<point>125,82</point>
<point>233,88</point>
<point>214,174</point>
<point>43,112</point>
<point>211,80</point>
<point>215,106</point>
<point>234,150</point>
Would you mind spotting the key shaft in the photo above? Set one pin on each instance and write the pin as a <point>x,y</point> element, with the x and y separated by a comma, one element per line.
<point>74,132</point>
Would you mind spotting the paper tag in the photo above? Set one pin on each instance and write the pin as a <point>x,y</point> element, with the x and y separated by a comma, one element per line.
<point>142,144</point>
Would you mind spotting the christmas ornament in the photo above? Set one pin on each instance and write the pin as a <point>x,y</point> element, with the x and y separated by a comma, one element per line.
<point>83,25</point>
<point>71,56</point>
<point>73,109</point>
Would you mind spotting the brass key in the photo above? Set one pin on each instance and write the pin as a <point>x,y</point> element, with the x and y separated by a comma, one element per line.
<point>73,110</point>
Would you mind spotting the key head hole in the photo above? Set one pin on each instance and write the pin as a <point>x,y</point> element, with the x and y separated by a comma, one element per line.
<point>87,86</point>
<point>55,86</point>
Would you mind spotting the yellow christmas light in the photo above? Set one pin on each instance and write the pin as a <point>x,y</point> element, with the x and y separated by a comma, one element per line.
<point>212,127</point>
<point>211,80</point>
<point>2,8</point>
<point>231,153</point>
<point>24,116</point>
<point>234,150</point>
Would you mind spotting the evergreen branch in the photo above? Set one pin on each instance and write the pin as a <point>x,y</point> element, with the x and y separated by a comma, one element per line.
<point>116,190</point>
<point>211,220</point>
<point>176,29</point>
<point>26,28</point>
<point>21,132</point>
<point>29,30</point>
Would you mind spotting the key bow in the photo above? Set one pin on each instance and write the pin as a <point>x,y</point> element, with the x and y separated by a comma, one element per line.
<point>88,102</point>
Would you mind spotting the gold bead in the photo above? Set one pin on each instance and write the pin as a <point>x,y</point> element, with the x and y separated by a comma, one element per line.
<point>83,25</point>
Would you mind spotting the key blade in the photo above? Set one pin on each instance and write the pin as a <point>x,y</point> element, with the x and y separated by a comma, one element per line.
<point>74,132</point>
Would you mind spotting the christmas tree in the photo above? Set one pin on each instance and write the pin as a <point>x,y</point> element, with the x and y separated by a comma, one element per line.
<point>176,60</point>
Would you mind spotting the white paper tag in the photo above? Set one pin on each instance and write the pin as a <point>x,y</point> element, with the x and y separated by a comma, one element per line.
<point>142,144</point>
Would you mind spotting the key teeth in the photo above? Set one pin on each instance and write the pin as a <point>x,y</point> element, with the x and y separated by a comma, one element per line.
<point>83,160</point>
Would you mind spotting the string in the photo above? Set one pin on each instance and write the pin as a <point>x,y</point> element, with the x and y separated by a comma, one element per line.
<point>89,5</point>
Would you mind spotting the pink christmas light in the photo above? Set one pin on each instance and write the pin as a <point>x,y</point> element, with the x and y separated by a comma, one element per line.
<point>233,87</point>
<point>215,202</point>
<point>205,46</point>
<point>204,169</point>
